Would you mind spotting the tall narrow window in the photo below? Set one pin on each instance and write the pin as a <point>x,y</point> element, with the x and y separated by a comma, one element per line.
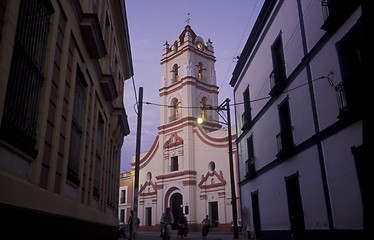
<point>246,117</point>
<point>98,159</point>
<point>26,75</point>
<point>250,162</point>
<point>200,69</point>
<point>122,215</point>
<point>175,77</point>
<point>175,111</point>
<point>123,196</point>
<point>285,135</point>
<point>175,46</point>
<point>174,164</point>
<point>349,91</point>
<point>203,111</point>
<point>76,128</point>
<point>278,75</point>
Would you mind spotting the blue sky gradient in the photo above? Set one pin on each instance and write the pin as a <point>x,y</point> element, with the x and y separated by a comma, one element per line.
<point>227,23</point>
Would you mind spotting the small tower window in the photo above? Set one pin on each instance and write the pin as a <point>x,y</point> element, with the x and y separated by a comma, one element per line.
<point>175,73</point>
<point>204,113</point>
<point>175,110</point>
<point>200,69</point>
<point>175,46</point>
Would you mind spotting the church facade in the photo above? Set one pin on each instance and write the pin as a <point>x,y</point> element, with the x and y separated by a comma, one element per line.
<point>187,167</point>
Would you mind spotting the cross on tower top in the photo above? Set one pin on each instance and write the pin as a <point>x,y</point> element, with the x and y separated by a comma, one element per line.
<point>188,19</point>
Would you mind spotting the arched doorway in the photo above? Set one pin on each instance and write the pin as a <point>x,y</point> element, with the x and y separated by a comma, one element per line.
<point>176,203</point>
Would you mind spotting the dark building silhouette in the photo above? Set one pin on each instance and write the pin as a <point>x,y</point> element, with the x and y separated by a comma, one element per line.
<point>62,118</point>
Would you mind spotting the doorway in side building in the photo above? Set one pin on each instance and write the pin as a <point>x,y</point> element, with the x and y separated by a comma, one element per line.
<point>256,215</point>
<point>213,213</point>
<point>148,216</point>
<point>295,207</point>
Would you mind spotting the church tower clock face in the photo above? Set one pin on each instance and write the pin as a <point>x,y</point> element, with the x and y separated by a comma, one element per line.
<point>200,46</point>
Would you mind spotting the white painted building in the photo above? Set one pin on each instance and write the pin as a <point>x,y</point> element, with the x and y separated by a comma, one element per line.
<point>297,89</point>
<point>187,168</point>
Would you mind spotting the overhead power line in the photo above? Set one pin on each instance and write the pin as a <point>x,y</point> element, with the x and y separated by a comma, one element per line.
<point>253,100</point>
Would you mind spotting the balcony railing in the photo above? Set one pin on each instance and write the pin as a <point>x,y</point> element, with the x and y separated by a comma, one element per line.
<point>325,9</point>
<point>250,168</point>
<point>246,120</point>
<point>285,143</point>
<point>277,79</point>
<point>342,101</point>
<point>335,12</point>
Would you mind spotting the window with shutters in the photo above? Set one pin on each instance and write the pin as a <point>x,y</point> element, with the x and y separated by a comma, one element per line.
<point>26,76</point>
<point>76,129</point>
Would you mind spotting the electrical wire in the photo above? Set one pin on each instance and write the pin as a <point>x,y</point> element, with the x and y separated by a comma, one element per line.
<point>136,97</point>
<point>253,100</point>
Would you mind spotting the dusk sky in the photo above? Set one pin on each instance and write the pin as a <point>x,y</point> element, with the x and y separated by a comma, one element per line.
<point>227,23</point>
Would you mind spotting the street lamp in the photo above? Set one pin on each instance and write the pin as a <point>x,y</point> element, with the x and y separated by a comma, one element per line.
<point>226,106</point>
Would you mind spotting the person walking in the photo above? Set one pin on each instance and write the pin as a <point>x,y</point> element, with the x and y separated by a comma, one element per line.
<point>182,226</point>
<point>206,225</point>
<point>166,220</point>
<point>130,224</point>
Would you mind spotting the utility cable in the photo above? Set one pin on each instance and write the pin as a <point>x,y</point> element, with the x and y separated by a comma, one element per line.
<point>254,100</point>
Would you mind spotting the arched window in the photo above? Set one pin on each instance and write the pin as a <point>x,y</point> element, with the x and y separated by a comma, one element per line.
<point>175,46</point>
<point>205,115</point>
<point>149,176</point>
<point>175,109</point>
<point>175,73</point>
<point>200,69</point>
<point>212,166</point>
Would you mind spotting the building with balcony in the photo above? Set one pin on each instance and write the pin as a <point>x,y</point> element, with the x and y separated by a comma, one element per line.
<point>62,118</point>
<point>298,88</point>
<point>126,196</point>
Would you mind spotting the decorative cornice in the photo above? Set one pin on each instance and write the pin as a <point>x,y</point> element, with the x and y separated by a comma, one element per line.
<point>188,81</point>
<point>146,184</point>
<point>204,185</point>
<point>185,49</point>
<point>176,174</point>
<point>186,121</point>
<point>173,141</point>
<point>147,158</point>
<point>189,183</point>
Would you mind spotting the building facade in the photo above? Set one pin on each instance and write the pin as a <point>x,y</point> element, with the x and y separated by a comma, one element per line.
<point>187,168</point>
<point>62,117</point>
<point>126,196</point>
<point>298,88</point>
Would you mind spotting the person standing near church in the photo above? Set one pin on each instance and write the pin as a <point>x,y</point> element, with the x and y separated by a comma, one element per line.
<point>131,224</point>
<point>206,225</point>
<point>166,220</point>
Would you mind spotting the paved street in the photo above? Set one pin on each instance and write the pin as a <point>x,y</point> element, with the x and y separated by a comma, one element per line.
<point>190,236</point>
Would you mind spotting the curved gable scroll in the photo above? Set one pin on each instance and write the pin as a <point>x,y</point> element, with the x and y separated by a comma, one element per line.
<point>204,184</point>
<point>173,141</point>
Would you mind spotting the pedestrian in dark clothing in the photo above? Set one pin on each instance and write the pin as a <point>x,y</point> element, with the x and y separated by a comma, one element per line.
<point>206,225</point>
<point>182,226</point>
<point>131,224</point>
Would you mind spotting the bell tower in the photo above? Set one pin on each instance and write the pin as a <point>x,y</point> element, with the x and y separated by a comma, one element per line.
<point>186,168</point>
<point>188,81</point>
